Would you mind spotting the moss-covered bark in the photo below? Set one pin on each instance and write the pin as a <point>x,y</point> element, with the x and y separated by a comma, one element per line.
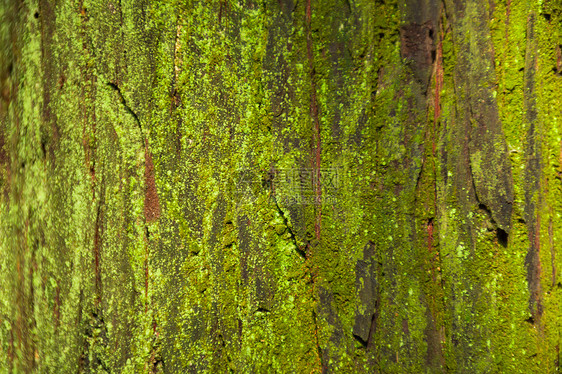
<point>280,186</point>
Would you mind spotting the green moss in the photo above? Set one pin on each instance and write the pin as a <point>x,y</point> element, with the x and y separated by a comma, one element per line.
<point>212,90</point>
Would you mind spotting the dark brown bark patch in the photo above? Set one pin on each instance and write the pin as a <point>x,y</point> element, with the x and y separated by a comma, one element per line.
<point>418,49</point>
<point>3,155</point>
<point>367,285</point>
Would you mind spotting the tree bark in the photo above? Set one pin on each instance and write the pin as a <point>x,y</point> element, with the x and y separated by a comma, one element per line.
<point>280,186</point>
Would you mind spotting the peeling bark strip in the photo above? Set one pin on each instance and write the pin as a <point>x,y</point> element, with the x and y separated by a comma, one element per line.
<point>478,113</point>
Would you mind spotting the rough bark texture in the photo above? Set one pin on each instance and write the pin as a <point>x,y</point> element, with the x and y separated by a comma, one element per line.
<point>280,186</point>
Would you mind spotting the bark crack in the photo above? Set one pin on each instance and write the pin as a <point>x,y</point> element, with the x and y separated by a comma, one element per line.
<point>127,107</point>
<point>292,235</point>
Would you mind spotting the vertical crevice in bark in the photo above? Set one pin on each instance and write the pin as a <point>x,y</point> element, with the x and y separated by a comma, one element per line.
<point>31,320</point>
<point>421,49</point>
<point>316,158</point>
<point>532,174</point>
<point>174,92</point>
<point>552,251</point>
<point>47,19</point>
<point>438,73</point>
<point>314,111</point>
<point>435,334</point>
<point>97,256</point>
<point>557,358</point>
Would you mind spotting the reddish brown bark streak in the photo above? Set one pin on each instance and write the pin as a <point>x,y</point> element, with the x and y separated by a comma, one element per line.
<point>151,210</point>
<point>151,201</point>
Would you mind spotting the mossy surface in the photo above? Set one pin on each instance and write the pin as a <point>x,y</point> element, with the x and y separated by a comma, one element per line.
<point>280,186</point>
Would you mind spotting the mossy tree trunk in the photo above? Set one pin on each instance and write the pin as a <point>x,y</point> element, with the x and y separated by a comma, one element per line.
<point>280,186</point>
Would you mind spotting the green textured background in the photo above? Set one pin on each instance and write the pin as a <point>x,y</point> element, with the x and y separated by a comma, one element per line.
<point>128,242</point>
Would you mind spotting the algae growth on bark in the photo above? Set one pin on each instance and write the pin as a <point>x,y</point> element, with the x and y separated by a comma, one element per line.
<point>280,186</point>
